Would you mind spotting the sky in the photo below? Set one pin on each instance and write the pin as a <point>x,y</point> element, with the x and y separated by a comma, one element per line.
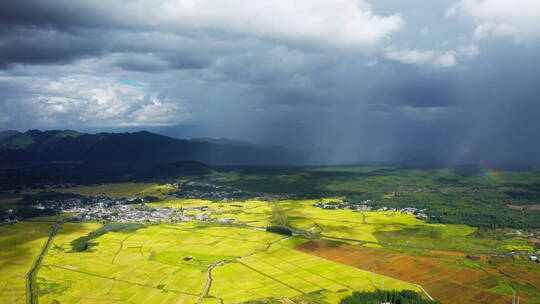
<point>349,80</point>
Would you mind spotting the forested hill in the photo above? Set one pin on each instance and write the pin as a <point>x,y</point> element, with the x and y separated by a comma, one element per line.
<point>140,149</point>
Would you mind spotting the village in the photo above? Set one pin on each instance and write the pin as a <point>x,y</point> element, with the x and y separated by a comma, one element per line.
<point>419,213</point>
<point>121,210</point>
<point>121,213</point>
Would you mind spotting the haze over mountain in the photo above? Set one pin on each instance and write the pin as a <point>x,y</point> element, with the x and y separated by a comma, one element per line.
<point>133,150</point>
<point>348,80</point>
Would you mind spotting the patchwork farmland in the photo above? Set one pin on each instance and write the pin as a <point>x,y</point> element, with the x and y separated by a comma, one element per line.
<point>170,263</point>
<point>221,252</point>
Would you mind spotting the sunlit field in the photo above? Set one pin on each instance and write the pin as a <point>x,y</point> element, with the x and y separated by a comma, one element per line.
<point>168,261</point>
<point>20,244</point>
<point>163,263</point>
<point>284,272</point>
<point>252,212</point>
<point>127,190</point>
<point>391,227</point>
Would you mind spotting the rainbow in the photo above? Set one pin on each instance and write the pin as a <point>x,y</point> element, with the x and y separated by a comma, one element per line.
<point>492,174</point>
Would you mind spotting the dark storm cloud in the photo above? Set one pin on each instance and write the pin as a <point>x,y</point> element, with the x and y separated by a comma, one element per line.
<point>186,60</point>
<point>44,46</point>
<point>411,85</point>
<point>140,63</point>
<point>423,93</point>
<point>15,13</point>
<point>293,97</point>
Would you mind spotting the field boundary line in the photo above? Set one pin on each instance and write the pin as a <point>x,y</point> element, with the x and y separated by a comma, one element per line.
<point>209,278</point>
<point>371,272</point>
<point>4,288</point>
<point>122,281</point>
<point>271,278</point>
<point>31,298</point>
<point>307,270</point>
<point>119,249</point>
<point>270,254</point>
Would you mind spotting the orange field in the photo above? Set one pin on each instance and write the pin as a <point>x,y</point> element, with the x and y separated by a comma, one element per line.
<point>446,279</point>
<point>457,254</point>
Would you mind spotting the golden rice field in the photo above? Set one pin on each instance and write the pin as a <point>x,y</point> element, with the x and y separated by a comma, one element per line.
<point>251,212</point>
<point>389,227</point>
<point>345,223</point>
<point>169,264</point>
<point>282,272</point>
<point>20,244</point>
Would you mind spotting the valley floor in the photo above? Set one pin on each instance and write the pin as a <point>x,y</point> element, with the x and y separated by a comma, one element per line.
<point>216,261</point>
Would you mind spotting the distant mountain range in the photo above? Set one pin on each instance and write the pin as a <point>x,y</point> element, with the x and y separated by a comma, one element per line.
<point>135,150</point>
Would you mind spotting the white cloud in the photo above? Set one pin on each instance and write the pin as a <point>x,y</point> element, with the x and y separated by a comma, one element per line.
<point>442,59</point>
<point>519,19</point>
<point>446,59</point>
<point>338,23</point>
<point>86,100</point>
<point>411,56</point>
<point>470,51</point>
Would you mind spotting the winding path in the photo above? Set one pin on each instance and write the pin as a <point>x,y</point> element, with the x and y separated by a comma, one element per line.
<point>209,279</point>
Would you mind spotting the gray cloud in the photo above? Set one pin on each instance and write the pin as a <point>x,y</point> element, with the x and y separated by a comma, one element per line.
<point>389,82</point>
<point>44,46</point>
<point>433,92</point>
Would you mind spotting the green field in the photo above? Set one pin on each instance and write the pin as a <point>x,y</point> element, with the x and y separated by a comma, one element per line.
<point>470,195</point>
<point>20,245</point>
<point>119,190</point>
<point>166,263</point>
<point>169,264</point>
<point>391,227</point>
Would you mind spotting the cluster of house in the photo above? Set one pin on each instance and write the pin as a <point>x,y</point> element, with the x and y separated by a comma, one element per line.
<point>123,210</point>
<point>69,203</point>
<point>193,190</point>
<point>419,213</point>
<point>532,237</point>
<point>122,213</point>
<point>142,214</point>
